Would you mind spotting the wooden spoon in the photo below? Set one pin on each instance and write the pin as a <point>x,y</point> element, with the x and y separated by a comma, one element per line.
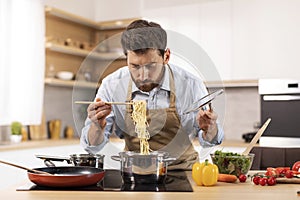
<point>28,169</point>
<point>256,137</point>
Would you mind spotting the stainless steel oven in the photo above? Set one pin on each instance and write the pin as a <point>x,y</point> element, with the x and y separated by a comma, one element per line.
<point>280,100</point>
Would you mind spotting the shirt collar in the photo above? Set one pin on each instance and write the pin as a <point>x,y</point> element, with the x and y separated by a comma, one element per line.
<point>165,84</point>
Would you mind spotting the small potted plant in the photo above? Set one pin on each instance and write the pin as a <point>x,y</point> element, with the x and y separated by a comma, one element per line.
<point>16,132</point>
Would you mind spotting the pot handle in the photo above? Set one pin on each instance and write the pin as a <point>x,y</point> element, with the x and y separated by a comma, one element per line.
<point>167,160</point>
<point>48,160</point>
<point>116,158</point>
<point>48,163</point>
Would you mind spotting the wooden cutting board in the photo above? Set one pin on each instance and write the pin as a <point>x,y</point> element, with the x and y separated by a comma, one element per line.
<point>288,180</point>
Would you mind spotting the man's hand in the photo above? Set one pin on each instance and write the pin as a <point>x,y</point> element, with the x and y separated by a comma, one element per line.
<point>98,111</point>
<point>207,122</point>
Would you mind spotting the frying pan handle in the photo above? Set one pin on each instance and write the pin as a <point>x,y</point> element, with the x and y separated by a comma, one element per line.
<point>116,158</point>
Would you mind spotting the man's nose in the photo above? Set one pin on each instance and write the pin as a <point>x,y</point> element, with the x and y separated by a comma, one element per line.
<point>144,73</point>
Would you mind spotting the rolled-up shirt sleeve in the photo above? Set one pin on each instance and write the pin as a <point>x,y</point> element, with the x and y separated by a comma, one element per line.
<point>103,94</point>
<point>215,141</point>
<point>84,137</point>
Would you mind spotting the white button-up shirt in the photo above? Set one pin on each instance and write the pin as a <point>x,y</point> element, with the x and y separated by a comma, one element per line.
<point>188,89</point>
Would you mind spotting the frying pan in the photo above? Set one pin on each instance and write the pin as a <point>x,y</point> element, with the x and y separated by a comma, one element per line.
<point>67,176</point>
<point>78,176</point>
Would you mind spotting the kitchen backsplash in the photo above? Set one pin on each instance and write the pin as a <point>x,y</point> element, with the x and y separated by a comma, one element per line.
<point>241,113</point>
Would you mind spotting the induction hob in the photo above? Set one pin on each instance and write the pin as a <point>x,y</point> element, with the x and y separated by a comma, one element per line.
<point>176,181</point>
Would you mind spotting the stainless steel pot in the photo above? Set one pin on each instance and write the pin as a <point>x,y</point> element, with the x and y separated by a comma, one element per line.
<point>138,168</point>
<point>92,160</point>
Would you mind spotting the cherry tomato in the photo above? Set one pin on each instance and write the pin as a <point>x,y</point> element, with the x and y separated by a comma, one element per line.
<point>256,180</point>
<point>289,174</point>
<point>271,181</point>
<point>242,178</point>
<point>296,166</point>
<point>271,173</point>
<point>280,171</point>
<point>263,181</point>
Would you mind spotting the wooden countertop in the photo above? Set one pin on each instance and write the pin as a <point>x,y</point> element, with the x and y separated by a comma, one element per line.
<point>224,191</point>
<point>37,144</point>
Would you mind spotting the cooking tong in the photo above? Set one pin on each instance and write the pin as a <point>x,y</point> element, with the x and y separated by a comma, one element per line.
<point>203,101</point>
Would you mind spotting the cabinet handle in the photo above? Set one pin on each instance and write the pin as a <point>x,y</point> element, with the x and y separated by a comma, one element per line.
<point>281,97</point>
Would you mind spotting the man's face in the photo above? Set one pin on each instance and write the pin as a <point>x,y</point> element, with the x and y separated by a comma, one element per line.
<point>146,69</point>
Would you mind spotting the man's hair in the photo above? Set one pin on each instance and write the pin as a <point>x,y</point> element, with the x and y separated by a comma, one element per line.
<point>141,35</point>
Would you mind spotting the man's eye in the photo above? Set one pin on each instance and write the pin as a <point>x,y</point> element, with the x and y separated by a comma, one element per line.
<point>135,66</point>
<point>151,65</point>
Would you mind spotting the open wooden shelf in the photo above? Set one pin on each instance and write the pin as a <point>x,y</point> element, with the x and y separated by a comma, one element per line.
<point>71,17</point>
<point>71,83</point>
<point>84,53</point>
<point>108,25</point>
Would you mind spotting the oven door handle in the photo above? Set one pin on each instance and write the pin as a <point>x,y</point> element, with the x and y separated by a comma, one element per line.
<point>281,97</point>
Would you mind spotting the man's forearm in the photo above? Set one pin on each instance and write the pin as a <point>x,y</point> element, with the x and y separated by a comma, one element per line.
<point>211,133</point>
<point>95,135</point>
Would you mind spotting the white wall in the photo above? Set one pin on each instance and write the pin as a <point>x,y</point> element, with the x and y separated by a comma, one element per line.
<point>266,39</point>
<point>84,8</point>
<point>106,10</point>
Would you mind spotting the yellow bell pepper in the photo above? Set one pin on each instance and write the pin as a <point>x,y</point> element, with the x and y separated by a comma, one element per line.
<point>205,173</point>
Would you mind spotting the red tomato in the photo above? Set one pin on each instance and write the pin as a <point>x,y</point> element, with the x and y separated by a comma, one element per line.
<point>281,170</point>
<point>271,169</point>
<point>271,181</point>
<point>296,166</point>
<point>242,178</point>
<point>256,180</point>
<point>289,174</point>
<point>263,181</point>
<point>271,173</point>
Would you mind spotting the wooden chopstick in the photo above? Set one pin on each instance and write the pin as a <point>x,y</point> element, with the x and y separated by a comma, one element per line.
<point>119,103</point>
<point>109,103</point>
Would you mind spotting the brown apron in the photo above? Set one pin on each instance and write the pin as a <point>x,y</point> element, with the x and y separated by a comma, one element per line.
<point>166,133</point>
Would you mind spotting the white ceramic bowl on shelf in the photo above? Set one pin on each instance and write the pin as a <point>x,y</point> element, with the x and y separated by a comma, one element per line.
<point>64,75</point>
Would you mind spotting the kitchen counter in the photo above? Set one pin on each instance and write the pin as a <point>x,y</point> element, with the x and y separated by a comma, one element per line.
<point>224,191</point>
<point>30,144</point>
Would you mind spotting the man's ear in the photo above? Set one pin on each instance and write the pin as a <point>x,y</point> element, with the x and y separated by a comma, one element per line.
<point>167,56</point>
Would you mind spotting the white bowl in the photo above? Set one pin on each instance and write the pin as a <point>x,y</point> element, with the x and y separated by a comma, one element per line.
<point>65,75</point>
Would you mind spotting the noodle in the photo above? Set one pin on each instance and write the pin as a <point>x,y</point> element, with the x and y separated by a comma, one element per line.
<point>139,116</point>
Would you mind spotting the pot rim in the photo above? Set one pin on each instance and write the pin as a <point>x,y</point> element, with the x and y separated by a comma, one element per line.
<point>83,155</point>
<point>138,154</point>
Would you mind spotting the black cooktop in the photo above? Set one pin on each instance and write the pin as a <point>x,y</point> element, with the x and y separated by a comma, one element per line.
<point>176,181</point>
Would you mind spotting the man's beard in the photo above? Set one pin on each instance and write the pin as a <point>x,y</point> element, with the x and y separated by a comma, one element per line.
<point>147,87</point>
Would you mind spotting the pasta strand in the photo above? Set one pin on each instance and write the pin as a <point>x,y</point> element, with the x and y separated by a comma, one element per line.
<point>139,117</point>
